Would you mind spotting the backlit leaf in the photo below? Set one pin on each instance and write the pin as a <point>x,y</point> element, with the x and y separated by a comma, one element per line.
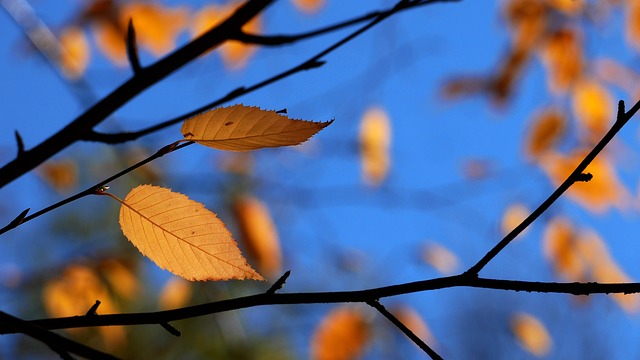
<point>412,320</point>
<point>593,106</point>
<point>181,235</point>
<point>562,56</point>
<point>259,234</point>
<point>546,130</point>
<point>243,128</point>
<point>62,174</point>
<point>234,53</point>
<point>74,52</point>
<point>308,6</point>
<point>513,216</point>
<point>605,190</point>
<point>74,293</point>
<point>175,293</point>
<point>531,334</point>
<point>375,140</point>
<point>343,334</point>
<point>441,258</point>
<point>560,246</point>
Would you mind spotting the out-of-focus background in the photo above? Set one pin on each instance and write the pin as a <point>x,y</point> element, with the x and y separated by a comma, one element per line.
<point>453,121</point>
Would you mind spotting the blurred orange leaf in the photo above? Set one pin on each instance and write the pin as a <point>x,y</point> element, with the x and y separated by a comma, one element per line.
<point>562,56</point>
<point>181,235</point>
<point>259,234</point>
<point>593,106</point>
<point>569,7</point>
<point>633,23</point>
<point>560,244</point>
<point>74,293</point>
<point>157,27</point>
<point>343,334</point>
<point>412,320</point>
<point>243,128</point>
<point>375,140</point>
<point>527,19</point>
<point>62,175</point>
<point>74,52</point>
<point>547,129</point>
<point>175,293</point>
<point>308,6</point>
<point>234,53</point>
<point>121,278</point>
<point>531,334</point>
<point>513,216</point>
<point>441,258</point>
<point>605,190</point>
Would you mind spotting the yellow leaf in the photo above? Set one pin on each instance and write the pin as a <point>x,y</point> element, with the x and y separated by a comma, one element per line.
<point>343,334</point>
<point>375,140</point>
<point>157,27</point>
<point>243,128</point>
<point>175,293</point>
<point>441,258</point>
<point>74,293</point>
<point>603,191</point>
<point>259,234</point>
<point>74,52</point>
<point>562,56</point>
<point>110,39</point>
<point>531,334</point>
<point>181,235</point>
<point>594,107</point>
<point>560,244</point>
<point>633,23</point>
<point>412,320</point>
<point>513,216</point>
<point>546,130</point>
<point>234,53</point>
<point>121,278</point>
<point>62,175</point>
<point>308,6</point>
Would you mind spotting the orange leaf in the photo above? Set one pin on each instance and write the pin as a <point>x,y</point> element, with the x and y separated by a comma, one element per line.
<point>569,7</point>
<point>603,191</point>
<point>74,52</point>
<point>243,128</point>
<point>74,293</point>
<point>412,320</point>
<point>121,278</point>
<point>175,293</point>
<point>157,27</point>
<point>375,140</point>
<point>593,106</point>
<point>181,235</point>
<point>343,334</point>
<point>259,234</point>
<point>528,20</point>
<point>560,246</point>
<point>62,175</point>
<point>110,39</point>
<point>234,53</point>
<point>633,23</point>
<point>308,6</point>
<point>441,258</point>
<point>546,130</point>
<point>562,56</point>
<point>513,216</point>
<point>531,334</point>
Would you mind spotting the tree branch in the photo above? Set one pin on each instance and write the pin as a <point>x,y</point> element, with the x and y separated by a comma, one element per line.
<point>83,124</point>
<point>577,175</point>
<point>362,296</point>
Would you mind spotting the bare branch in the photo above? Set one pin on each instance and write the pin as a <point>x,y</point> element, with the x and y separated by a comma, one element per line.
<point>132,49</point>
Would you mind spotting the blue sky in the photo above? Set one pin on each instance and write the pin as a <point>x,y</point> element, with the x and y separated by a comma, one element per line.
<point>318,200</point>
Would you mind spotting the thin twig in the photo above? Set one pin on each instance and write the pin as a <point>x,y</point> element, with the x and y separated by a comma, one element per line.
<point>57,343</point>
<point>132,49</point>
<point>577,175</point>
<point>279,283</point>
<point>405,330</point>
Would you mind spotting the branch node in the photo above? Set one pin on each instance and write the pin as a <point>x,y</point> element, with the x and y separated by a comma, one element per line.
<point>279,283</point>
<point>282,111</point>
<point>583,177</point>
<point>172,330</point>
<point>20,144</point>
<point>132,49</point>
<point>93,309</point>
<point>621,111</point>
